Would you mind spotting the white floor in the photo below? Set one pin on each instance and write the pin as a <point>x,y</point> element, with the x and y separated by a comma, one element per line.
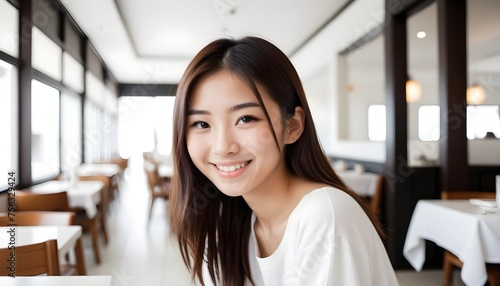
<point>138,254</point>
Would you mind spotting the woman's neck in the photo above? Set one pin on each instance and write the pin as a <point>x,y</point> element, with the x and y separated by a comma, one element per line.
<point>273,203</point>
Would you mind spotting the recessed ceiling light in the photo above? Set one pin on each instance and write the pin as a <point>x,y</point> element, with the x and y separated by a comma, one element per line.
<point>421,35</point>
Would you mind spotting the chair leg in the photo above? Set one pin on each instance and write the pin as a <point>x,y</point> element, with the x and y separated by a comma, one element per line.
<point>151,208</point>
<point>95,241</point>
<point>104,227</point>
<point>448,273</point>
<point>80,258</point>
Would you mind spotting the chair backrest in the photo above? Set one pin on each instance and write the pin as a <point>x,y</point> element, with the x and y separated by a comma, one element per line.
<point>29,218</point>
<point>151,175</point>
<point>459,195</point>
<point>30,260</point>
<point>377,197</point>
<point>28,201</point>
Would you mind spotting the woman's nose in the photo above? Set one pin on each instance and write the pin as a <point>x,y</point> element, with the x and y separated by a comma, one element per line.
<point>224,143</point>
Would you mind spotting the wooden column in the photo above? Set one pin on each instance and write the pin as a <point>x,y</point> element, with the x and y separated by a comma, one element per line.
<point>452,91</point>
<point>25,77</point>
<point>397,172</point>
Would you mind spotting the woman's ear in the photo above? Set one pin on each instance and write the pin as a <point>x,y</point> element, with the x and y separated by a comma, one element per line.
<point>294,126</point>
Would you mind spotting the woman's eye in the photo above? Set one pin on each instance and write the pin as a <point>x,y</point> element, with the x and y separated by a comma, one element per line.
<point>246,119</point>
<point>200,124</point>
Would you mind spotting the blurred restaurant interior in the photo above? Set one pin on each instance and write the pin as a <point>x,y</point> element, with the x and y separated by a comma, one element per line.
<point>405,96</point>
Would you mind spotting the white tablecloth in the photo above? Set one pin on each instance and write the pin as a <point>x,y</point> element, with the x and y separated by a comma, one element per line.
<point>66,236</point>
<point>459,227</point>
<point>108,170</point>
<point>364,184</point>
<point>101,280</point>
<point>84,194</point>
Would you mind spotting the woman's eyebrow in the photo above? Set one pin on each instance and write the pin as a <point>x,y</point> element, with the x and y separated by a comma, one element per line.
<point>243,105</point>
<point>231,109</point>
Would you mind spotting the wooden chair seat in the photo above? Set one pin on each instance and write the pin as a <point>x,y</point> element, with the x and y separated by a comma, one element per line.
<point>450,261</point>
<point>33,259</point>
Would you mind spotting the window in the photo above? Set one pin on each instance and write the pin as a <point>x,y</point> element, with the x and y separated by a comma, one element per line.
<point>72,73</point>
<point>47,55</point>
<point>483,121</point>
<point>428,123</point>
<point>9,29</point>
<point>44,131</point>
<point>71,131</point>
<point>148,118</point>
<point>376,122</point>
<point>8,119</point>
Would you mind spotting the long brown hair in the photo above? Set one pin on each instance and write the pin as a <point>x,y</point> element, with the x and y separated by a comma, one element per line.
<point>211,226</point>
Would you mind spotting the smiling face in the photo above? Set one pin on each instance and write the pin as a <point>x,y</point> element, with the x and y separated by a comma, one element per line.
<point>229,138</point>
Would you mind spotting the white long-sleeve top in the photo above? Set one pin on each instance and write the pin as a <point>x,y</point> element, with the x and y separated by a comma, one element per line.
<point>328,240</point>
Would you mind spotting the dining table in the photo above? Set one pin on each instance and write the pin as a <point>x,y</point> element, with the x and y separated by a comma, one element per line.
<point>68,239</point>
<point>468,231</point>
<point>93,280</point>
<point>81,194</point>
<point>89,169</point>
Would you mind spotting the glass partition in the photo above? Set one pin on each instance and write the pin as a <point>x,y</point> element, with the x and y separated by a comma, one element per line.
<point>423,71</point>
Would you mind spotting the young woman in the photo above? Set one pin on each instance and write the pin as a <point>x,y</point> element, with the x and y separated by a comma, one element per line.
<point>255,200</point>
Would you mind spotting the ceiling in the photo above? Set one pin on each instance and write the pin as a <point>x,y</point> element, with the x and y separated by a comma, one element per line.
<point>152,41</point>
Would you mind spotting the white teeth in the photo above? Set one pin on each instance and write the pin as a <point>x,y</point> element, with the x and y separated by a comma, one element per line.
<point>231,168</point>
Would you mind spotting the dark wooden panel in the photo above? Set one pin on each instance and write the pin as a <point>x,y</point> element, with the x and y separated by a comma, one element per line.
<point>452,89</point>
<point>48,18</point>
<point>25,76</point>
<point>148,89</point>
<point>397,174</point>
<point>482,178</point>
<point>73,40</point>
<point>93,62</point>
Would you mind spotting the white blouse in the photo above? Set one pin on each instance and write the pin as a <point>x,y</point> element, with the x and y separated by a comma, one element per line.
<point>329,240</point>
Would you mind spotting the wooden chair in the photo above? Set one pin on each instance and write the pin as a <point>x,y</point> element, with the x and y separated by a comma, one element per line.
<point>38,218</point>
<point>103,206</point>
<point>31,218</point>
<point>27,201</point>
<point>450,261</point>
<point>158,188</point>
<point>33,259</point>
<point>376,200</point>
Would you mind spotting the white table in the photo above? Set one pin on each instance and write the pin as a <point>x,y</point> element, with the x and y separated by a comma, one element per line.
<point>108,170</point>
<point>84,194</point>
<point>68,238</point>
<point>364,184</point>
<point>104,280</point>
<point>459,227</point>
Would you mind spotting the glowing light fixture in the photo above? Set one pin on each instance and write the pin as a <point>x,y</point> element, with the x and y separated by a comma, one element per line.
<point>475,94</point>
<point>421,35</point>
<point>413,91</point>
